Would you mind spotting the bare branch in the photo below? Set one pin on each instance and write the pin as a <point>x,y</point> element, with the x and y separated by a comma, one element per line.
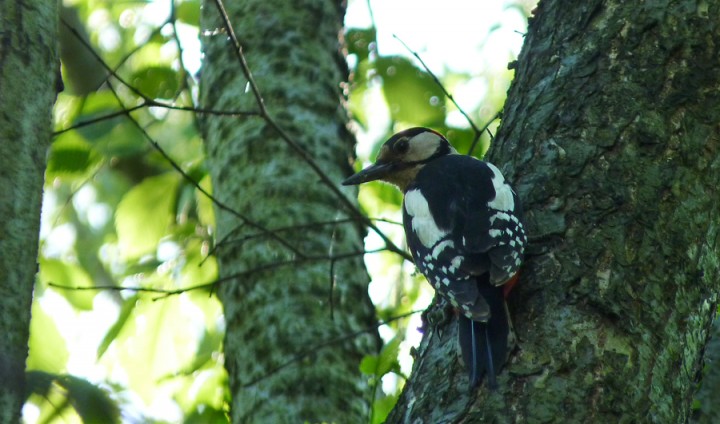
<point>212,284</point>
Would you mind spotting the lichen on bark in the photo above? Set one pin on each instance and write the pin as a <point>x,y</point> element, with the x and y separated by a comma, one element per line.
<point>29,72</point>
<point>278,319</point>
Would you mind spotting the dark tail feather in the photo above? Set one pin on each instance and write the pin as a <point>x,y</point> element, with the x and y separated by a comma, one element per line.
<point>485,345</point>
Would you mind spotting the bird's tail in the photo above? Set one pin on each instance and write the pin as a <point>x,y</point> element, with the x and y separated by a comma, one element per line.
<point>484,345</point>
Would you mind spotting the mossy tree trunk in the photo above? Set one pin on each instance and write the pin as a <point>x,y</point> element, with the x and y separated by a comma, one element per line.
<point>277,290</point>
<point>610,134</point>
<point>29,72</point>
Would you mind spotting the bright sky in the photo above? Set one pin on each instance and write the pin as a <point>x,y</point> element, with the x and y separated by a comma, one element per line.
<point>460,36</point>
<point>453,34</point>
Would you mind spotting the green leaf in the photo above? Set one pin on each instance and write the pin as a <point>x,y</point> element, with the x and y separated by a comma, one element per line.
<point>379,199</point>
<point>125,140</point>
<point>209,390</point>
<point>38,382</point>
<point>382,407</point>
<point>207,416</point>
<point>360,94</point>
<point>368,365</point>
<point>56,408</point>
<point>91,403</point>
<point>207,350</point>
<point>156,344</point>
<point>156,82</point>
<point>189,12</point>
<point>360,41</point>
<point>47,346</point>
<point>145,214</point>
<point>53,404</point>
<point>110,133</point>
<point>69,160</point>
<point>125,312</point>
<point>198,268</point>
<point>412,94</point>
<point>205,210</point>
<point>69,275</point>
<point>390,197</point>
<point>103,107</point>
<point>462,138</point>
<point>70,155</point>
<point>387,360</point>
<point>205,371</point>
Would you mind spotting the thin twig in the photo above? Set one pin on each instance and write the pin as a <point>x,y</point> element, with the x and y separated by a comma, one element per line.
<point>477,131</point>
<point>302,355</point>
<point>439,84</point>
<point>212,284</point>
<point>331,290</point>
<point>207,194</point>
<point>187,80</point>
<point>98,119</point>
<point>154,103</point>
<point>148,101</point>
<point>484,128</point>
<point>296,227</point>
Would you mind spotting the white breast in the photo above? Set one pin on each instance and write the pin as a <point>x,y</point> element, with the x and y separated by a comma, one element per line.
<point>504,200</point>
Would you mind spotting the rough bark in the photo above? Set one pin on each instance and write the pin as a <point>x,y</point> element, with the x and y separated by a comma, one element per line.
<point>611,136</point>
<point>282,313</point>
<point>708,395</point>
<point>29,71</point>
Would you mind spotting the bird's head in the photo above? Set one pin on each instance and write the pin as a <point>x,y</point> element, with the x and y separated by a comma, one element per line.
<point>402,156</point>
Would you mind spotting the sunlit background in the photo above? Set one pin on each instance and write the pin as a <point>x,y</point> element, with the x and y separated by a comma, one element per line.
<point>158,355</point>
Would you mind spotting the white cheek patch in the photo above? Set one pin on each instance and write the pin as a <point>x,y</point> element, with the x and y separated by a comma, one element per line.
<point>423,224</point>
<point>422,146</point>
<point>504,200</point>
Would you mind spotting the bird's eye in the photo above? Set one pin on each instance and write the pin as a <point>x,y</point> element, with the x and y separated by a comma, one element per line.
<point>401,146</point>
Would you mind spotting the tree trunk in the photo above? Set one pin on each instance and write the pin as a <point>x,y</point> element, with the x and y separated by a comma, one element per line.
<point>611,137</point>
<point>29,71</point>
<point>282,295</point>
<point>709,392</point>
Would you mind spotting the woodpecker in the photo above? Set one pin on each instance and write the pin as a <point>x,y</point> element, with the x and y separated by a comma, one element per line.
<point>463,224</point>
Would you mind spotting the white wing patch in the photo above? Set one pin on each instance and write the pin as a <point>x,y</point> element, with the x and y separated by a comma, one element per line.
<point>503,200</point>
<point>423,223</point>
<point>437,250</point>
<point>495,233</point>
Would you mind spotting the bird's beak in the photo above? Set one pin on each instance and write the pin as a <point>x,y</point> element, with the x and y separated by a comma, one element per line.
<point>371,173</point>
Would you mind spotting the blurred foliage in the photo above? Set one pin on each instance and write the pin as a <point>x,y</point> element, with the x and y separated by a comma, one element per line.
<point>89,403</point>
<point>118,215</point>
